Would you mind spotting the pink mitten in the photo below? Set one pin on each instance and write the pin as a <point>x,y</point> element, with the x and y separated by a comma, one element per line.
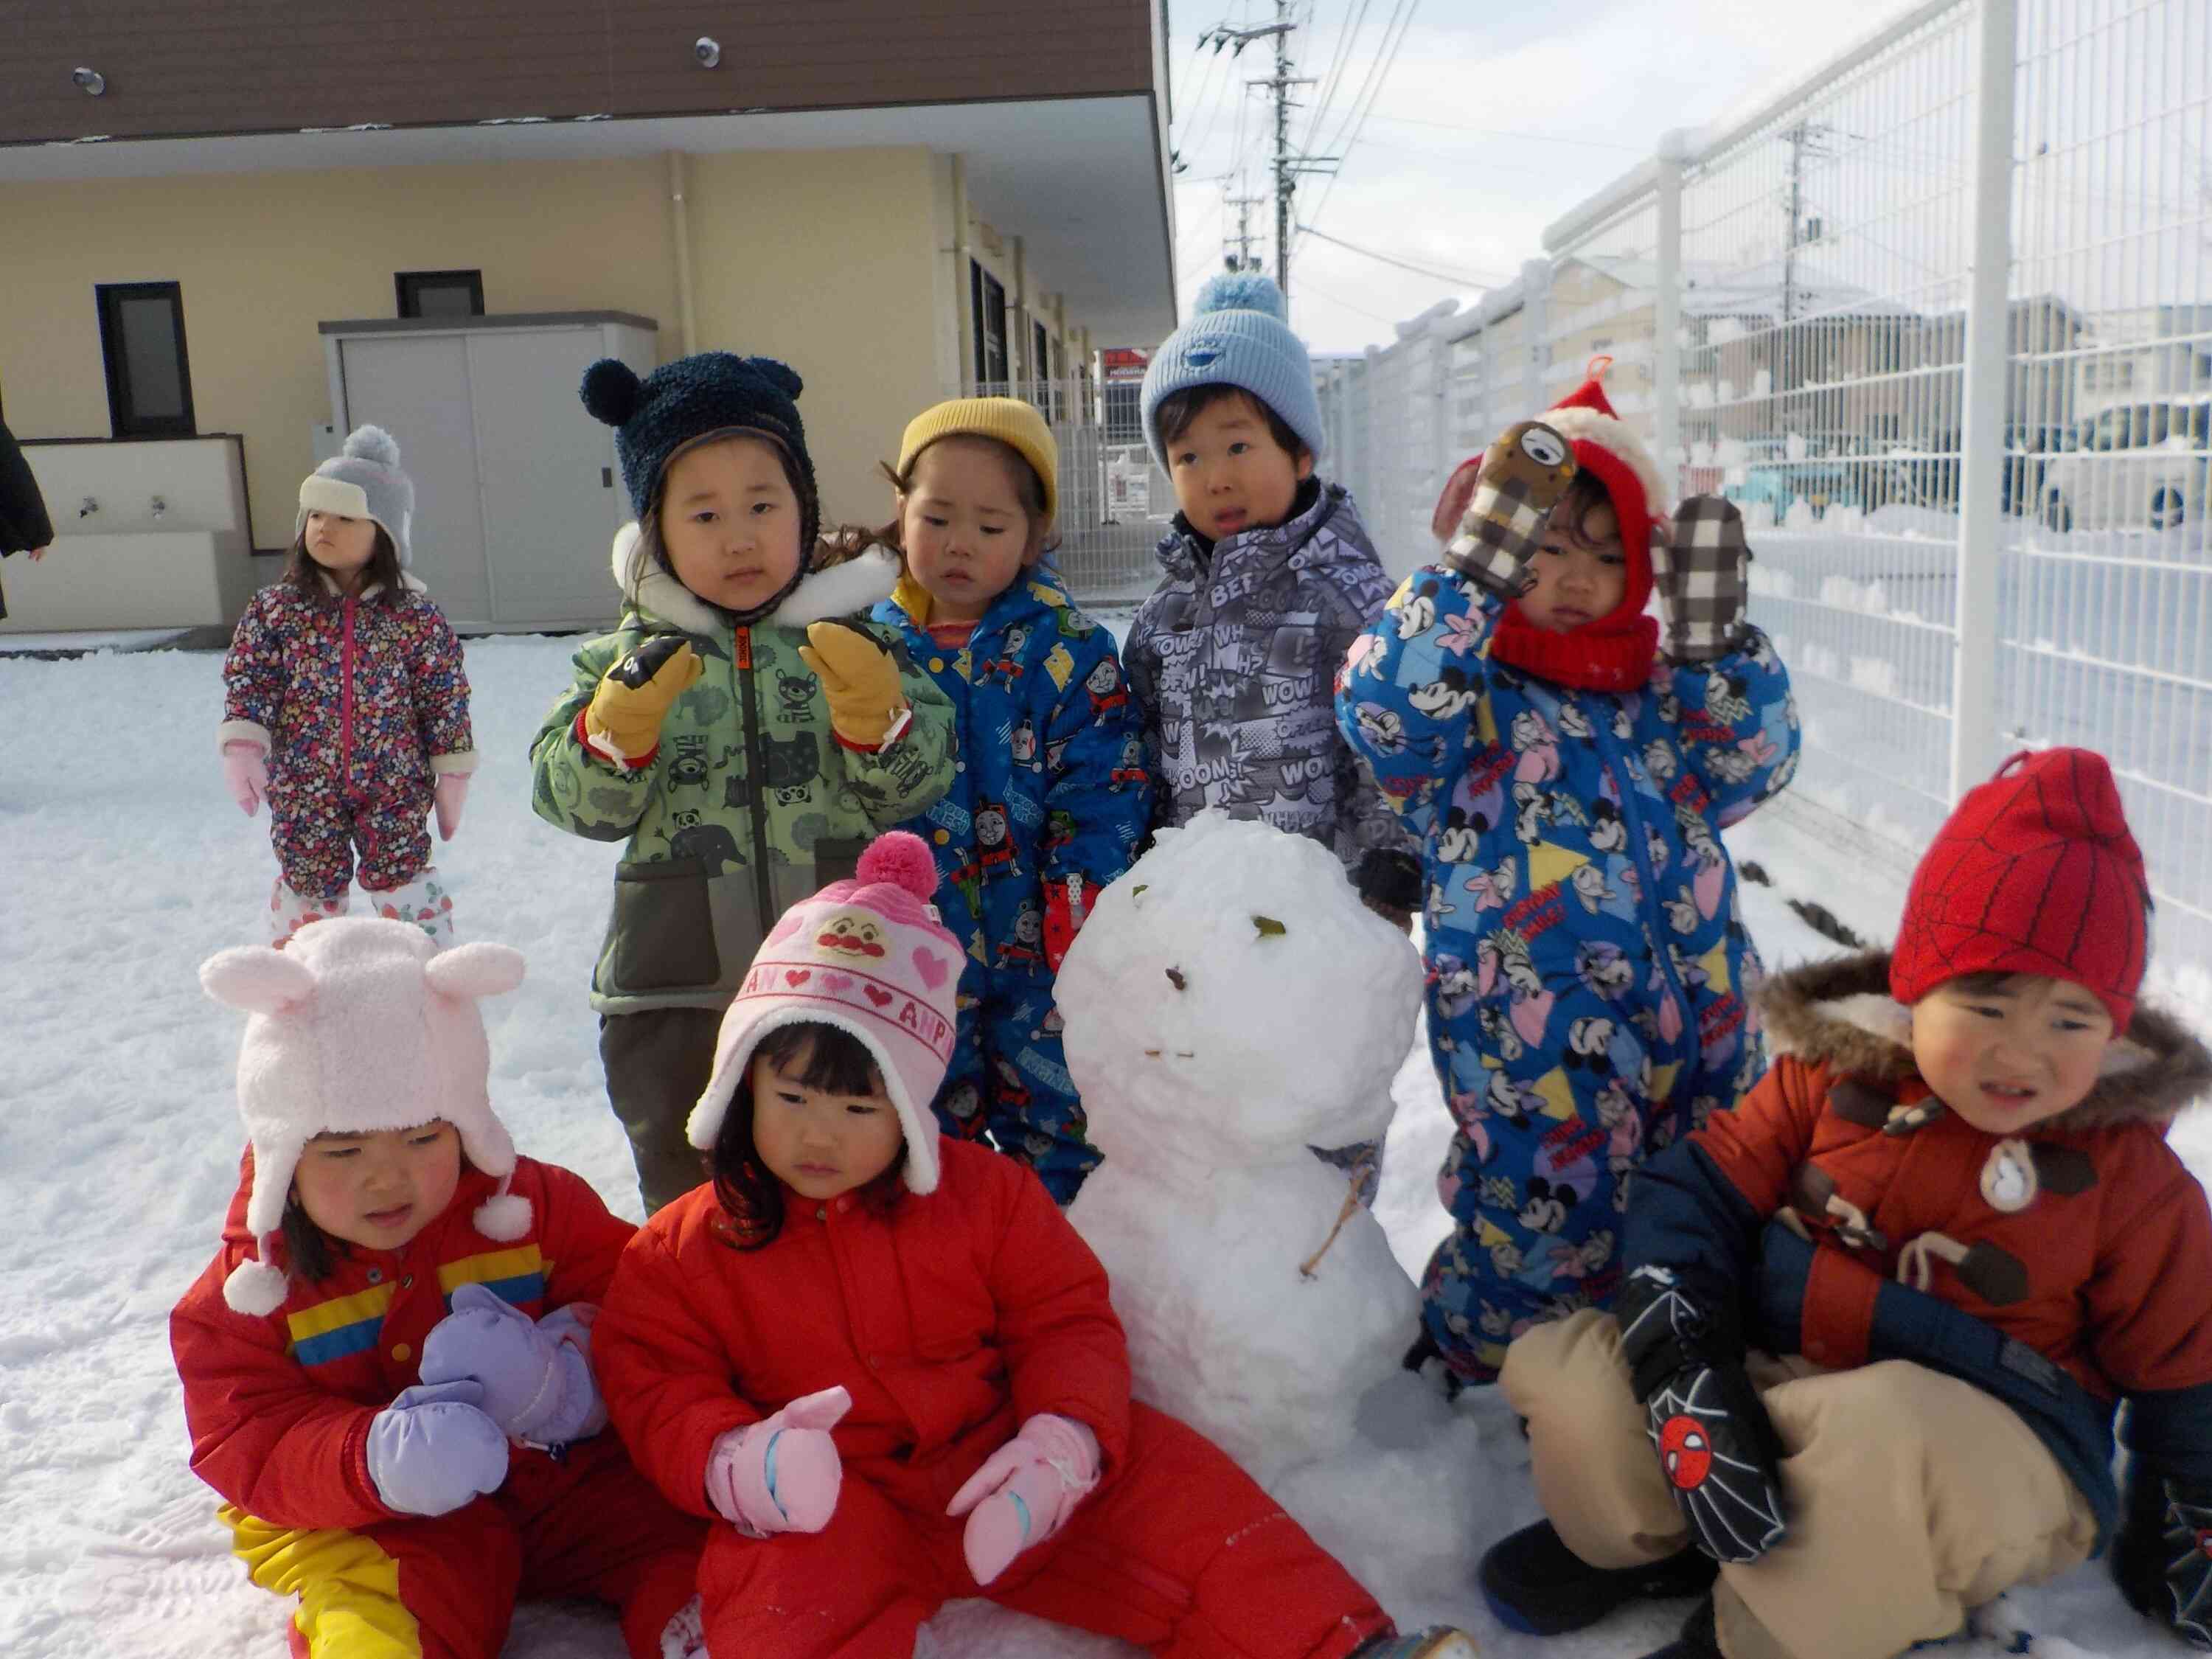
<point>1025,1491</point>
<point>782,1474</point>
<point>246,773</point>
<point>453,788</point>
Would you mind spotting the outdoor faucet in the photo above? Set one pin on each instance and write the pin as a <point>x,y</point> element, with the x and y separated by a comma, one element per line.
<point>89,507</point>
<point>160,506</point>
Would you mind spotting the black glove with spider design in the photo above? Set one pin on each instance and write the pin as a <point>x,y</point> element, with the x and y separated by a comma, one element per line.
<point>1716,1443</point>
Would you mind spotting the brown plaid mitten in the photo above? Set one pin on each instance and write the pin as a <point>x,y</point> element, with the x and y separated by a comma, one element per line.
<point>1524,473</point>
<point>1703,574</point>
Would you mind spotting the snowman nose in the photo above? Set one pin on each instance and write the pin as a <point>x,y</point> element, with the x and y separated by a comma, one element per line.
<point>1175,979</point>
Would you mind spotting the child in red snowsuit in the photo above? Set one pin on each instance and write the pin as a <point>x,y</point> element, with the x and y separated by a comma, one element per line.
<point>888,1365</point>
<point>404,1471</point>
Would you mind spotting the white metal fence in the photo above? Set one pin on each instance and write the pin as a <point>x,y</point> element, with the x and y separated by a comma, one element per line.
<point>1114,504</point>
<point>1940,320</point>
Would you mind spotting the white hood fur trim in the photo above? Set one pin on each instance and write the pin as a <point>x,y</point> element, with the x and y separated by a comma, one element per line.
<point>842,590</point>
<point>1617,439</point>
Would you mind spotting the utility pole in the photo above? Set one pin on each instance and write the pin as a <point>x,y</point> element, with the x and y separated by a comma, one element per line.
<point>1801,137</point>
<point>1243,259</point>
<point>1287,167</point>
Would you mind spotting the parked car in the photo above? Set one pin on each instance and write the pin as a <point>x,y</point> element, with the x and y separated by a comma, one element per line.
<point>2136,466</point>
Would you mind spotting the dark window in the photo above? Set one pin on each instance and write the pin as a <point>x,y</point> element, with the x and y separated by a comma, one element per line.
<point>987,297</point>
<point>1047,396</point>
<point>142,336</point>
<point>440,293</point>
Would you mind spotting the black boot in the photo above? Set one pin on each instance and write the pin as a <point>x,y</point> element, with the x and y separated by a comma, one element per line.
<point>1698,1639</point>
<point>1535,1584</point>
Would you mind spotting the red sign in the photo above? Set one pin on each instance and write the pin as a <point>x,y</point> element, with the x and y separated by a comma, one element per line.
<point>1123,365</point>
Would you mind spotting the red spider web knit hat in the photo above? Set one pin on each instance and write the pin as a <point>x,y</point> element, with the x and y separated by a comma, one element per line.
<point>2035,872</point>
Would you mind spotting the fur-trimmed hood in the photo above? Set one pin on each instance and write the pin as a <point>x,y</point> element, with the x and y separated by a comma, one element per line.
<point>1839,1012</point>
<point>842,589</point>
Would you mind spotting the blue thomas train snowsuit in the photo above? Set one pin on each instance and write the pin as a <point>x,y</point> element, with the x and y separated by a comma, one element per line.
<point>1590,977</point>
<point>1049,799</point>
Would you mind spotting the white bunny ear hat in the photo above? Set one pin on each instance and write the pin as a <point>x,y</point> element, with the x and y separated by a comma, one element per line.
<point>359,1026</point>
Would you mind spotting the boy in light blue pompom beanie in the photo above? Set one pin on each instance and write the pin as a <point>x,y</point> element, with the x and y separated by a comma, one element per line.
<point>1238,335</point>
<point>1270,577</point>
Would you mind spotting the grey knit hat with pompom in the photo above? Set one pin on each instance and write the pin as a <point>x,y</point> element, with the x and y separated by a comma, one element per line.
<point>364,481</point>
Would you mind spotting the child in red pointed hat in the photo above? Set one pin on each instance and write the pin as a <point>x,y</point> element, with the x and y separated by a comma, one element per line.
<point>1589,974</point>
<point>1880,1317</point>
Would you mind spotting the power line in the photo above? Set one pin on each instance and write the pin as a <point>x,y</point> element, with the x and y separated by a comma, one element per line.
<point>1505,133</point>
<point>1306,287</point>
<point>1357,117</point>
<point>1465,278</point>
<point>1347,33</point>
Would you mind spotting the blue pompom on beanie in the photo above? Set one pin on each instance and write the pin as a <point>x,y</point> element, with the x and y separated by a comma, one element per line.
<point>695,398</point>
<point>1239,335</point>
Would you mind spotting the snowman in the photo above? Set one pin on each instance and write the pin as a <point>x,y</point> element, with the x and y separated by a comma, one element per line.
<point>1229,1005</point>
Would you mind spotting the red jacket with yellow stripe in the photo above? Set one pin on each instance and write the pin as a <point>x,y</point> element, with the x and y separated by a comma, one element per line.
<point>951,1318</point>
<point>279,1407</point>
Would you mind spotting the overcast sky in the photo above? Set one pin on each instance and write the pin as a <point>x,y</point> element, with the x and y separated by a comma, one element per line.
<point>1492,121</point>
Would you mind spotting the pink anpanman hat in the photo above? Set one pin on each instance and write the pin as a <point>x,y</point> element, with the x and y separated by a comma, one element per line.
<point>358,1026</point>
<point>870,957</point>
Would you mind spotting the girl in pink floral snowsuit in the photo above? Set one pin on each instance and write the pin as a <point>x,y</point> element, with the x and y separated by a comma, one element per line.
<point>347,705</point>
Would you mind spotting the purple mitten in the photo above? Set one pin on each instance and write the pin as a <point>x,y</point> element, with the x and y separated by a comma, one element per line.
<point>535,1375</point>
<point>244,774</point>
<point>1024,1491</point>
<point>431,1451</point>
<point>782,1473</point>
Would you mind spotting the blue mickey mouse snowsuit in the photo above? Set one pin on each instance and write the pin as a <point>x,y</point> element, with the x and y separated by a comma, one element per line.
<point>1050,787</point>
<point>1590,977</point>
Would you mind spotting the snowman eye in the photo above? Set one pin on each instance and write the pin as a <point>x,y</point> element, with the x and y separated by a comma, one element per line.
<point>1175,979</point>
<point>1543,447</point>
<point>1268,927</point>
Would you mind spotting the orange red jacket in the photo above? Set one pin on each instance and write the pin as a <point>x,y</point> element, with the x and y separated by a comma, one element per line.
<point>279,1407</point>
<point>950,1318</point>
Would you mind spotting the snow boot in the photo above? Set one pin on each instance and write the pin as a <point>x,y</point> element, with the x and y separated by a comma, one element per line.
<point>1434,1642</point>
<point>289,912</point>
<point>1535,1584</point>
<point>424,901</point>
<point>1699,1638</point>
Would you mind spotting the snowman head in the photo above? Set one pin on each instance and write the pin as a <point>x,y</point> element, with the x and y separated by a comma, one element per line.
<point>1230,999</point>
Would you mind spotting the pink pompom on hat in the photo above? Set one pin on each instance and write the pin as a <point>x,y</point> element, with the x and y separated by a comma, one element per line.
<point>869,956</point>
<point>358,1026</point>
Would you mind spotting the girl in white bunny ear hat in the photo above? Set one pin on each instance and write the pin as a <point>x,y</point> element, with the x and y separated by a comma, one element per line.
<point>387,1367</point>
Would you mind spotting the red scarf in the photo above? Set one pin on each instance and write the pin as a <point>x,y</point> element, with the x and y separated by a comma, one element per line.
<point>1613,653</point>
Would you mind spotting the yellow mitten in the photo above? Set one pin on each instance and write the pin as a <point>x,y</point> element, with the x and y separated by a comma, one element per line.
<point>633,695</point>
<point>867,705</point>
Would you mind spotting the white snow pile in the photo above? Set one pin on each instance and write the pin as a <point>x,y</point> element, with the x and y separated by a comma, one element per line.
<point>127,865</point>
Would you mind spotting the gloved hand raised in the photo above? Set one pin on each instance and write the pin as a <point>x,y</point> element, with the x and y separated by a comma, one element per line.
<point>1524,474</point>
<point>1700,571</point>
<point>633,695</point>
<point>431,1451</point>
<point>535,1375</point>
<point>246,773</point>
<point>867,705</point>
<point>1024,1491</point>
<point>1715,1441</point>
<point>782,1473</point>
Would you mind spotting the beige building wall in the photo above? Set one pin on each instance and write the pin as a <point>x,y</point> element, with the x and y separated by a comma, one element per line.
<point>262,257</point>
<point>830,259</point>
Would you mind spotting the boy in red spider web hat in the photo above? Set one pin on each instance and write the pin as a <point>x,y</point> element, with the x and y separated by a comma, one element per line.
<point>1880,1318</point>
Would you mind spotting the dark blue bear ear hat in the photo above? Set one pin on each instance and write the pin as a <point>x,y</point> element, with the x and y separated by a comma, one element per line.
<point>709,394</point>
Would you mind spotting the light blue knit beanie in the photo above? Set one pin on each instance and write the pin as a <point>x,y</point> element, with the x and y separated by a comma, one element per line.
<point>1239,335</point>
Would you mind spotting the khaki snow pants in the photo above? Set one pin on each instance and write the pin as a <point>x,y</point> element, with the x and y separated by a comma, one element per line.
<point>1912,1496</point>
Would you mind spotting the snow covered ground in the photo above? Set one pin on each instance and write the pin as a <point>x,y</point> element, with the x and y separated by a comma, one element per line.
<point>126,864</point>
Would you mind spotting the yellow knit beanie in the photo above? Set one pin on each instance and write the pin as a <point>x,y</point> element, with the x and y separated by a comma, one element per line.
<point>1014,423</point>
